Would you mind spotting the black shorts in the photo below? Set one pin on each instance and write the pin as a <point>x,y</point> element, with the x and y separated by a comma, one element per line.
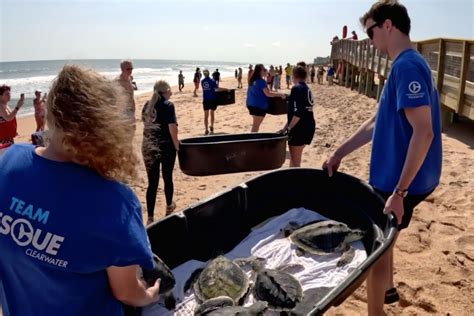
<point>409,203</point>
<point>256,111</point>
<point>209,105</point>
<point>302,134</point>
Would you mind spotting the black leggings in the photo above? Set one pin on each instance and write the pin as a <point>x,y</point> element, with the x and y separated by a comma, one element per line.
<point>152,165</point>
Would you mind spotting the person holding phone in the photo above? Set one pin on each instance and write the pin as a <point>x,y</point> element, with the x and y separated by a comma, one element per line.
<point>8,117</point>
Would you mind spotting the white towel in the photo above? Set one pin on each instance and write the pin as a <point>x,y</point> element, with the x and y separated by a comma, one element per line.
<point>267,241</point>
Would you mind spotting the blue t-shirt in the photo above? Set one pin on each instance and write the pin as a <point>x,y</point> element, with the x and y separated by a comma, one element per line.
<point>409,84</point>
<point>61,226</point>
<point>330,71</point>
<point>255,96</point>
<point>208,88</point>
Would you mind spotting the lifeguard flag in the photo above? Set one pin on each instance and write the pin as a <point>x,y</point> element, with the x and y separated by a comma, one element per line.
<point>344,31</point>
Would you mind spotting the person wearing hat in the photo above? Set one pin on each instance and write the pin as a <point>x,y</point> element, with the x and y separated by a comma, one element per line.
<point>160,144</point>
<point>209,101</point>
<point>40,110</point>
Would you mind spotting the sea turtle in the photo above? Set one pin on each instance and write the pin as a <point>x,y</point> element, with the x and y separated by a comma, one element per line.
<point>221,277</point>
<point>161,271</point>
<point>325,237</point>
<point>279,289</point>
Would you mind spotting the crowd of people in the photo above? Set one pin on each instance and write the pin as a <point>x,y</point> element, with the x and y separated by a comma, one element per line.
<point>95,247</point>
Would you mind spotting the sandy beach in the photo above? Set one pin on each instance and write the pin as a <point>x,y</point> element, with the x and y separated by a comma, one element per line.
<point>434,257</point>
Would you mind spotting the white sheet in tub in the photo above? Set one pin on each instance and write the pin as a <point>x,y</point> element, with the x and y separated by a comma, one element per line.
<point>268,242</point>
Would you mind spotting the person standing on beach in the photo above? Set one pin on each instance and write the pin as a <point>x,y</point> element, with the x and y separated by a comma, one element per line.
<point>209,101</point>
<point>239,79</point>
<point>196,80</point>
<point>76,246</point>
<point>405,164</point>
<point>288,72</point>
<point>125,80</point>
<point>180,81</point>
<point>40,110</point>
<point>8,117</point>
<point>320,76</point>
<point>216,75</point>
<point>330,74</point>
<point>312,73</point>
<point>257,97</point>
<point>249,74</point>
<point>160,144</point>
<point>301,125</point>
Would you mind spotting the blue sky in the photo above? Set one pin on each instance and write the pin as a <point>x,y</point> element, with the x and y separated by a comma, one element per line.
<point>225,30</point>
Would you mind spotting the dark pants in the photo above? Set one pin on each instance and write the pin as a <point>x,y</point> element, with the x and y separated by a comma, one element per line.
<point>165,160</point>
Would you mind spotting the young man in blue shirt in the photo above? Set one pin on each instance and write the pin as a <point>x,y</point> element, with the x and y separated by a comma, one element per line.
<point>209,101</point>
<point>405,164</point>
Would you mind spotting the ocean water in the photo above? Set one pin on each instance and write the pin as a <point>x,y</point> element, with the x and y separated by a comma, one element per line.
<point>27,76</point>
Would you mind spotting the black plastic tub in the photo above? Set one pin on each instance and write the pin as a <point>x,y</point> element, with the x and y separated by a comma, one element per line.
<point>216,225</point>
<point>277,106</point>
<point>225,96</point>
<point>220,154</point>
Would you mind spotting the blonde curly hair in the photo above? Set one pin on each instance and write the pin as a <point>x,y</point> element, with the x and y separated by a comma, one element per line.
<point>86,112</point>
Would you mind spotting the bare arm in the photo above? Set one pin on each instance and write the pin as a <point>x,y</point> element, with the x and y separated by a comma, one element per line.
<point>127,288</point>
<point>10,115</point>
<point>270,94</point>
<point>420,141</point>
<point>361,137</point>
<point>420,120</point>
<point>174,134</point>
<point>294,120</point>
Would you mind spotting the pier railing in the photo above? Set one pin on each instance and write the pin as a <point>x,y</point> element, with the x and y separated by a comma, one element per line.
<point>359,65</point>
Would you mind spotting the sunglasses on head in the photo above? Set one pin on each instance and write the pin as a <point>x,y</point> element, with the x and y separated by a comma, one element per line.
<point>370,30</point>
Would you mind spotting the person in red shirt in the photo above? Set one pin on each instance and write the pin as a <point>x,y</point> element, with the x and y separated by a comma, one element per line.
<point>8,117</point>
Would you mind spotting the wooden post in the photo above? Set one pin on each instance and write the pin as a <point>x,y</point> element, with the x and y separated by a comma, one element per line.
<point>368,85</point>
<point>418,47</point>
<point>341,75</point>
<point>380,87</point>
<point>361,79</point>
<point>440,69</point>
<point>367,64</point>
<point>353,76</point>
<point>446,116</point>
<point>462,78</point>
<point>348,67</point>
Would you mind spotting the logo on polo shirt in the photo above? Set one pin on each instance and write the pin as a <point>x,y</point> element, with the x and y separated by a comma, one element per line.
<point>414,87</point>
<point>205,85</point>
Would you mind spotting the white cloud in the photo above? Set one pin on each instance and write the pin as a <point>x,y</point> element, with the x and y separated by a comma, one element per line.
<point>249,45</point>
<point>276,44</point>
<point>206,28</point>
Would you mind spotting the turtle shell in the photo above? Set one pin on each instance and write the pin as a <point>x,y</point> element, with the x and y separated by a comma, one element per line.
<point>281,290</point>
<point>221,277</point>
<point>324,237</point>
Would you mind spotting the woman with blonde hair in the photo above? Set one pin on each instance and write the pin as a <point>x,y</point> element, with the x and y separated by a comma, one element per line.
<point>75,245</point>
<point>160,144</point>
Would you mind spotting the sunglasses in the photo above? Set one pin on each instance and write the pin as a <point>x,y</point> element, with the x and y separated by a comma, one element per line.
<point>370,30</point>
<point>128,69</point>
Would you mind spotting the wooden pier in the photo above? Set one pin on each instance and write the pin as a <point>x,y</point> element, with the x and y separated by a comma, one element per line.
<point>365,69</point>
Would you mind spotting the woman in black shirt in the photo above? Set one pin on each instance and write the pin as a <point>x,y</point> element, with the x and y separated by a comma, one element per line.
<point>301,124</point>
<point>160,144</point>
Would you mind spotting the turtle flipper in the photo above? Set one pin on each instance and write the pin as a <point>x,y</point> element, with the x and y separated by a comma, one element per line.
<point>346,257</point>
<point>192,278</point>
<point>170,300</point>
